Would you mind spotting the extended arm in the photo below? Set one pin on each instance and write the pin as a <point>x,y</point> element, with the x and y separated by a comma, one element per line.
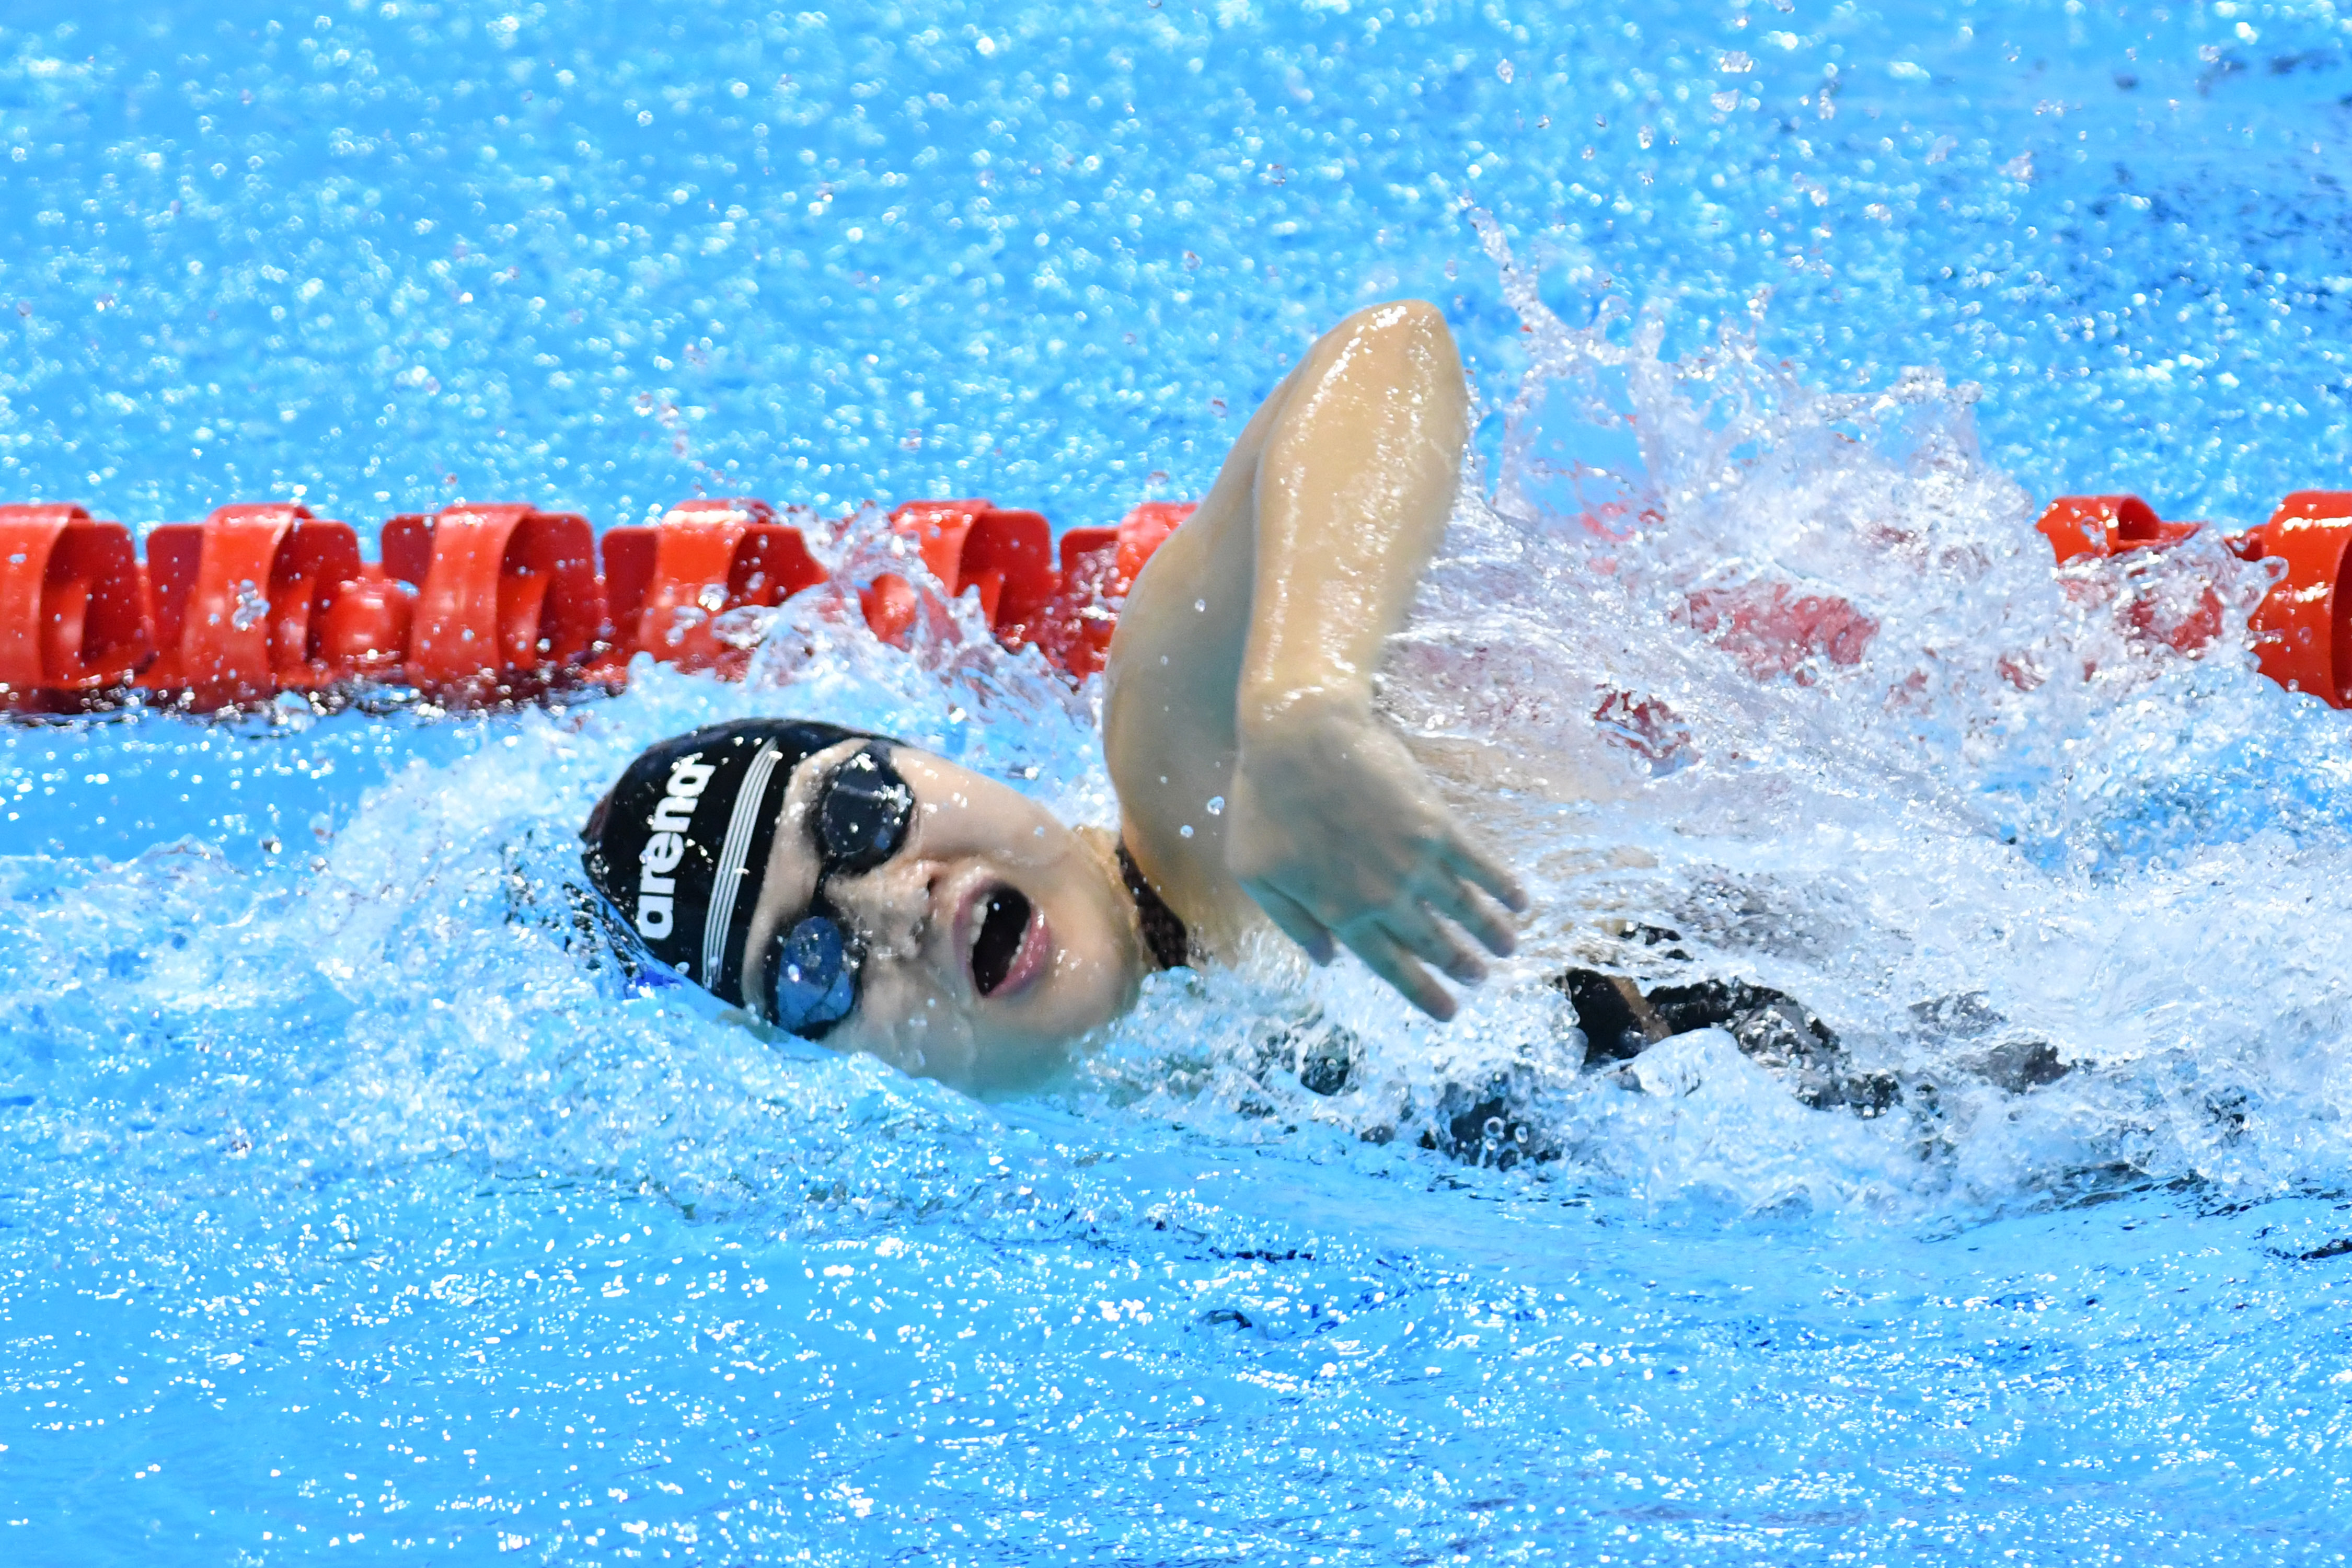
<point>1353,487</point>
<point>1250,763</point>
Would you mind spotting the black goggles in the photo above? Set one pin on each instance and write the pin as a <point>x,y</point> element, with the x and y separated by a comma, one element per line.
<point>858,821</point>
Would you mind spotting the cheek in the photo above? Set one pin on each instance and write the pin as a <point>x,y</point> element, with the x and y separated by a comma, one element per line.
<point>1035,847</point>
<point>903,1020</point>
<point>1090,986</point>
<point>1090,937</point>
<point>1081,970</point>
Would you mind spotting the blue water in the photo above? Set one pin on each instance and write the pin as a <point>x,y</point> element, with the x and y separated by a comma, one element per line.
<point>351,1209</point>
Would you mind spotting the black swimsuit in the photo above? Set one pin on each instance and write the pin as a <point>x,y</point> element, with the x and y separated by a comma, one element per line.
<point>1164,936</point>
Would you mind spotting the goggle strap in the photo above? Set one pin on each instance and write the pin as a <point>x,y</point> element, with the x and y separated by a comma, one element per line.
<point>726,883</point>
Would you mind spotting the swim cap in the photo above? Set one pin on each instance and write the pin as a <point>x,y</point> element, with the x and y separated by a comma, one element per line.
<point>680,843</point>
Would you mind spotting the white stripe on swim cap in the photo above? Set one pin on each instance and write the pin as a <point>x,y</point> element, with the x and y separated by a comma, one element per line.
<point>730,878</point>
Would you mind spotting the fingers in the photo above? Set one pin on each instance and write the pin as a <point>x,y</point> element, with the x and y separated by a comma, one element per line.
<point>1468,861</point>
<point>1475,896</point>
<point>1386,958</point>
<point>1296,922</point>
<point>1437,913</point>
<point>1431,940</point>
<point>1449,888</point>
<point>1475,912</point>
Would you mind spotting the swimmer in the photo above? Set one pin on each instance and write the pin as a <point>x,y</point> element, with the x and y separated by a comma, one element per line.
<point>848,888</point>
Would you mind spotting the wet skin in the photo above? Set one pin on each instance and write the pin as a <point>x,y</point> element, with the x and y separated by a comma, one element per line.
<point>925,1004</point>
<point>1257,782</point>
<point>1255,779</point>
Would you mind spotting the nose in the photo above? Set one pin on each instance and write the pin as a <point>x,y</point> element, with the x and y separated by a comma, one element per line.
<point>890,906</point>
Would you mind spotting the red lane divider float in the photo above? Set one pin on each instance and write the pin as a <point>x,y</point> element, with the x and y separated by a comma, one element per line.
<point>1003,556</point>
<point>2078,526</point>
<point>2302,627</point>
<point>72,606</point>
<point>2125,528</point>
<point>235,604</point>
<point>2301,639</point>
<point>1006,557</point>
<point>491,601</point>
<point>506,594</point>
<point>666,585</point>
<point>1098,566</point>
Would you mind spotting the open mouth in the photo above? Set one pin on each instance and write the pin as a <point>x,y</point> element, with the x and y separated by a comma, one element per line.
<point>1001,933</point>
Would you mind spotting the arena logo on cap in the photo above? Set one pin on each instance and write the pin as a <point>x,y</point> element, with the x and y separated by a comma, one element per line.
<point>671,820</point>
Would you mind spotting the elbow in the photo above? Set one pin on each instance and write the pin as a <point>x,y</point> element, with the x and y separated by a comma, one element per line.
<point>1405,321</point>
<point>1417,315</point>
<point>1411,337</point>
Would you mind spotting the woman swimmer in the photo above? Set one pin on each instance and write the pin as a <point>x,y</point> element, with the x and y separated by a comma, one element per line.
<point>848,887</point>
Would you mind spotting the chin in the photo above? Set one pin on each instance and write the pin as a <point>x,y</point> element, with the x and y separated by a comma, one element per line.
<point>1000,1048</point>
<point>1009,1065</point>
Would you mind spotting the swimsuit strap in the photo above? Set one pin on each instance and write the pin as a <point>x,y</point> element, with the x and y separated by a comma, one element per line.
<point>1164,936</point>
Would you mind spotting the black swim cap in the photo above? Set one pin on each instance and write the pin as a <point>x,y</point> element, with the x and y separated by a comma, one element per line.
<point>680,843</point>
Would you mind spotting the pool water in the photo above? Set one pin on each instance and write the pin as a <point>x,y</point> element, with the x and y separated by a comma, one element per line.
<point>352,1206</point>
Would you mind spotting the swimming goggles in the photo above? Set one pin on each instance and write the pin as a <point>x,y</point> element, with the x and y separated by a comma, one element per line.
<point>858,821</point>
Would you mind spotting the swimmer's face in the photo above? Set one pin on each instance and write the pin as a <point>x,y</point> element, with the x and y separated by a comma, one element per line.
<point>993,938</point>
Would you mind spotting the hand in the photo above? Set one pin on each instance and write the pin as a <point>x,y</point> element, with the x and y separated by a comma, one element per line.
<point>1339,838</point>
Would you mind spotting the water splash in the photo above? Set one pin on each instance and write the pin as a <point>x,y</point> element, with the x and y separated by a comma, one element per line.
<point>303,1256</point>
<point>2006,842</point>
<point>1757,682</point>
